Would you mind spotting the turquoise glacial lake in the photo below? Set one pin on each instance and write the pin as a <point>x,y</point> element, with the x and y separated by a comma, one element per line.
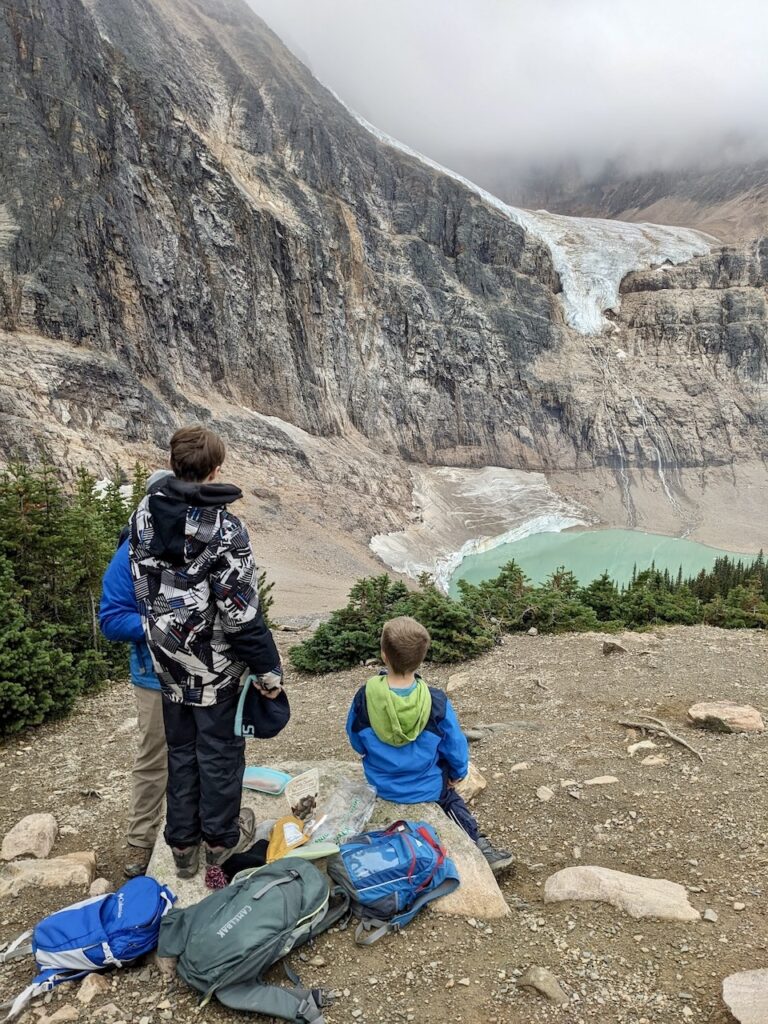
<point>589,553</point>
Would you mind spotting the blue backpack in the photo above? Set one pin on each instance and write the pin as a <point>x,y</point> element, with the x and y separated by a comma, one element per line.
<point>102,932</point>
<point>391,874</point>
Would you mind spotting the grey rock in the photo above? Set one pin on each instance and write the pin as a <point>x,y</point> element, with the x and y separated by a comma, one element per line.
<point>33,836</point>
<point>746,996</point>
<point>478,893</point>
<point>637,896</point>
<point>545,982</point>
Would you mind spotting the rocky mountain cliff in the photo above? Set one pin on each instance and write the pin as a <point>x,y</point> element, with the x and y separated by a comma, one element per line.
<point>193,227</point>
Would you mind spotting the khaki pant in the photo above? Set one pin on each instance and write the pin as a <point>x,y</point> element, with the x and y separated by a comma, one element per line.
<point>150,770</point>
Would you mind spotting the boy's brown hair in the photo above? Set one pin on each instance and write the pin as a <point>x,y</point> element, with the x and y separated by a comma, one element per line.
<point>405,643</point>
<point>195,453</point>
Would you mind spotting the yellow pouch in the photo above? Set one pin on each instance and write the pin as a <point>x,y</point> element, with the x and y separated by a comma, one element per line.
<point>287,835</point>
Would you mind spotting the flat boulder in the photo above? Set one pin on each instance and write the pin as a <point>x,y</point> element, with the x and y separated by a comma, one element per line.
<point>746,996</point>
<point>33,836</point>
<point>637,896</point>
<point>726,716</point>
<point>477,896</point>
<point>74,869</point>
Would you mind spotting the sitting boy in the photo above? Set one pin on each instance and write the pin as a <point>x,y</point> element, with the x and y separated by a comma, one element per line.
<point>410,740</point>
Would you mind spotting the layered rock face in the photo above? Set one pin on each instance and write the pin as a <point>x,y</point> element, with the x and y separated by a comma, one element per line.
<point>192,227</point>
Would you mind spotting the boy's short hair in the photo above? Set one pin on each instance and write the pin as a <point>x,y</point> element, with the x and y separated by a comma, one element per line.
<point>405,643</point>
<point>195,453</point>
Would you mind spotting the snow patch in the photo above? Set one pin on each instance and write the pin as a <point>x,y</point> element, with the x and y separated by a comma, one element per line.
<point>465,511</point>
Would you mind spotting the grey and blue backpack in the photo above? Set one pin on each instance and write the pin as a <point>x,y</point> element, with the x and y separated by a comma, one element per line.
<point>391,874</point>
<point>226,943</point>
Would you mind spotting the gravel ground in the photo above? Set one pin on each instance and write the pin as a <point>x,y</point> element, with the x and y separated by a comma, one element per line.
<point>559,700</point>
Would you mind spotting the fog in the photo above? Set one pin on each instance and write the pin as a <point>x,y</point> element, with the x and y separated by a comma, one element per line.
<point>539,82</point>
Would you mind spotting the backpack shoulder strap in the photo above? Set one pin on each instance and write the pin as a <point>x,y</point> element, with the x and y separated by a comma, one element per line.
<point>43,983</point>
<point>371,929</point>
<point>22,946</point>
<point>298,1005</point>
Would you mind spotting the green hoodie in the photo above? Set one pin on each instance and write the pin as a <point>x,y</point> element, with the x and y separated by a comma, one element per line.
<point>397,720</point>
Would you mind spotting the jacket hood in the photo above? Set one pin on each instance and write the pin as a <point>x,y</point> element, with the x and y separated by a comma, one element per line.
<point>397,719</point>
<point>169,506</point>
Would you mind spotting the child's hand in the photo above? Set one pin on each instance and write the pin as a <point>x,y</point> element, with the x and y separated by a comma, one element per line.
<point>270,684</point>
<point>455,782</point>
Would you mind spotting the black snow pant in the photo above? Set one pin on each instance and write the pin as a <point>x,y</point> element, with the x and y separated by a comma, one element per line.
<point>206,762</point>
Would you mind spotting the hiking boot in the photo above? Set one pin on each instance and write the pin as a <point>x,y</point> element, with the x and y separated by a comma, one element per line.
<point>138,863</point>
<point>215,856</point>
<point>187,860</point>
<point>498,860</point>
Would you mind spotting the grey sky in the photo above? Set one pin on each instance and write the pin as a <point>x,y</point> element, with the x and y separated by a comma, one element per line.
<point>541,80</point>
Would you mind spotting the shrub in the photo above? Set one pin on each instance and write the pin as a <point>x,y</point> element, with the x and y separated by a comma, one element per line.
<point>37,680</point>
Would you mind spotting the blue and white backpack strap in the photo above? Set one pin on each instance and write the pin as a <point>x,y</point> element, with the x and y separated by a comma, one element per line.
<point>43,983</point>
<point>18,948</point>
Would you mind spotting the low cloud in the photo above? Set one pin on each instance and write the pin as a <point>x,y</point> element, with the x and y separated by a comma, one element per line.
<point>545,81</point>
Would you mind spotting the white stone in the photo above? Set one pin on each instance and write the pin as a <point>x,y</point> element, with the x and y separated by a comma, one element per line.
<point>478,893</point>
<point>545,982</point>
<point>633,748</point>
<point>710,915</point>
<point>100,887</point>
<point>545,794</point>
<point>726,716</point>
<point>472,785</point>
<point>91,986</point>
<point>746,996</point>
<point>74,869</point>
<point>654,760</point>
<point>639,897</point>
<point>602,780</point>
<point>521,766</point>
<point>458,681</point>
<point>33,836</point>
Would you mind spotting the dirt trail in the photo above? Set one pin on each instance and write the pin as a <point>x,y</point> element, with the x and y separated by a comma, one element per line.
<point>704,825</point>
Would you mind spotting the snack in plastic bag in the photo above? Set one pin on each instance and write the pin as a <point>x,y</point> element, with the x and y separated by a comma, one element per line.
<point>301,794</point>
<point>345,812</point>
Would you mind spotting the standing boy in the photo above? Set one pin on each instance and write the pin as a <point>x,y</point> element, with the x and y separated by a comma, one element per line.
<point>196,586</point>
<point>410,740</point>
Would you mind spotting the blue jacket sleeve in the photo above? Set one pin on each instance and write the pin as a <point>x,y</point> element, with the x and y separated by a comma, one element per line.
<point>119,616</point>
<point>353,727</point>
<point>453,748</point>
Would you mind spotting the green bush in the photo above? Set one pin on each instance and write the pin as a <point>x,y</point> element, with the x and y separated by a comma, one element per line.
<point>351,635</point>
<point>37,680</point>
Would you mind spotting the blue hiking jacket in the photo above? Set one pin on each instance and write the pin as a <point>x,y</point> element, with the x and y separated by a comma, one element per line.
<point>120,620</point>
<point>414,773</point>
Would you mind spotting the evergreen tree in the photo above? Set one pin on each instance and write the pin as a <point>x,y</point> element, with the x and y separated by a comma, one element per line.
<point>36,677</point>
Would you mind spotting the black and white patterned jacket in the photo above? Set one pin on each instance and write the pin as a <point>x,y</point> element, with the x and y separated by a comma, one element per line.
<point>196,586</point>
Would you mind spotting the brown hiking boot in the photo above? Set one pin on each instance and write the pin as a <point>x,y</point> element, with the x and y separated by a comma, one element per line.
<point>216,855</point>
<point>138,861</point>
<point>187,860</point>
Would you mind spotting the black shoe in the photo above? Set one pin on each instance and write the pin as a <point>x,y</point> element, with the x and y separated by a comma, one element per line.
<point>138,863</point>
<point>498,860</point>
<point>187,860</point>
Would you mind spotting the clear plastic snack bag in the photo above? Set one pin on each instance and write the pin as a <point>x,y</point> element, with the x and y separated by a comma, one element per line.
<point>343,813</point>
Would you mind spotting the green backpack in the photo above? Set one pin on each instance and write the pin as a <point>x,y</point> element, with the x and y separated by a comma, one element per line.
<point>226,943</point>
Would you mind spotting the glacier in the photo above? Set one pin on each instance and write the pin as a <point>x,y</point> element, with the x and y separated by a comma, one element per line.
<point>591,256</point>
